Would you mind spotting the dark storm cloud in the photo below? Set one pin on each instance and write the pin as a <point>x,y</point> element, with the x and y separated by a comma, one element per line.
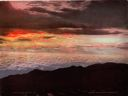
<point>12,18</point>
<point>62,9</point>
<point>99,13</point>
<point>58,6</point>
<point>87,16</point>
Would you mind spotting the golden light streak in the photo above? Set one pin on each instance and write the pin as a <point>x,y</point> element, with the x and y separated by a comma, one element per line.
<point>24,38</point>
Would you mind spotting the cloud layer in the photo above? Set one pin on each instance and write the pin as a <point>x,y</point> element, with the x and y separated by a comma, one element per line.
<point>60,16</point>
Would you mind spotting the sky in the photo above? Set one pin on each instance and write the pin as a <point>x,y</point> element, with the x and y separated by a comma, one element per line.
<point>88,14</point>
<point>58,33</point>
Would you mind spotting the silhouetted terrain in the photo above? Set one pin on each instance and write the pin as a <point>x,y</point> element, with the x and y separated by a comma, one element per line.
<point>109,79</point>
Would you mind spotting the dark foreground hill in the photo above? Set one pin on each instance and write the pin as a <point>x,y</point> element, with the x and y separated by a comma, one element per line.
<point>109,79</point>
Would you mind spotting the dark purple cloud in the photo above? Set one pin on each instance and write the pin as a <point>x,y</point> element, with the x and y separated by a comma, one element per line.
<point>66,14</point>
<point>99,13</point>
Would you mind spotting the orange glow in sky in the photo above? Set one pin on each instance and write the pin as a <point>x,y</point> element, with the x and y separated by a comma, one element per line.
<point>23,33</point>
<point>25,38</point>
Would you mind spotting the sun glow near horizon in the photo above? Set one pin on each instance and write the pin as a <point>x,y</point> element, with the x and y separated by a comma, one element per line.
<point>38,39</point>
<point>23,38</point>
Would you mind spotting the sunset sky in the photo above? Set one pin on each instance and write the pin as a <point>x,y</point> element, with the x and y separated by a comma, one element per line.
<point>34,34</point>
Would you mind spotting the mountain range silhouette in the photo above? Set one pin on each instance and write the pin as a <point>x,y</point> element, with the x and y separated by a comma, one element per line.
<point>109,79</point>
